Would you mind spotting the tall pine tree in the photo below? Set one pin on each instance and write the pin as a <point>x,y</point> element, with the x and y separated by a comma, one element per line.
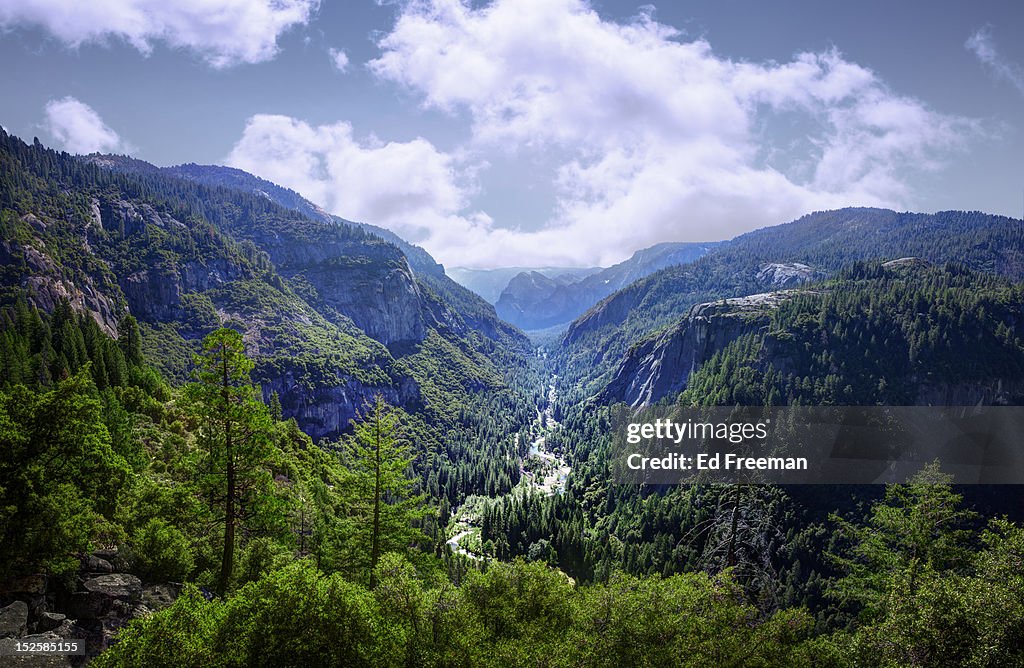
<point>390,511</point>
<point>234,427</point>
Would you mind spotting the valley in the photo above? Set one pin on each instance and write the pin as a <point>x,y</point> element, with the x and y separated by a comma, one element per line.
<point>404,451</point>
<point>511,334</point>
<point>543,472</point>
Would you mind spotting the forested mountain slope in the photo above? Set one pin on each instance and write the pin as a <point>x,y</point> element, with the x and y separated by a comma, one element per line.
<point>783,256</point>
<point>236,179</point>
<point>332,314</point>
<point>898,333</point>
<point>461,309</point>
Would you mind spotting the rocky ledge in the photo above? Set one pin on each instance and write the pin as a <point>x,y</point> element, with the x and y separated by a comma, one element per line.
<point>91,605</point>
<point>660,366</point>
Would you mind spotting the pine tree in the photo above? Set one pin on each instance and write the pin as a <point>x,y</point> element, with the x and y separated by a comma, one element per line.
<point>275,407</point>
<point>391,510</point>
<point>233,433</point>
<point>130,340</point>
<point>916,529</point>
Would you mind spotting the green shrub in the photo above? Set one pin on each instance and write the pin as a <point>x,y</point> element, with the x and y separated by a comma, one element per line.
<point>180,635</point>
<point>259,557</point>
<point>162,552</point>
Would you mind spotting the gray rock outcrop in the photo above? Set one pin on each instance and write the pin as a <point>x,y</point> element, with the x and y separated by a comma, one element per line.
<point>14,620</point>
<point>662,365</point>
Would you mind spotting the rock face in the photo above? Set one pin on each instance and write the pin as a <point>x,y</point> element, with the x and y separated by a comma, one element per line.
<point>379,294</point>
<point>533,300</point>
<point>788,274</point>
<point>154,293</point>
<point>46,286</point>
<point>328,409</point>
<point>360,277</point>
<point>661,366</point>
<point>907,263</point>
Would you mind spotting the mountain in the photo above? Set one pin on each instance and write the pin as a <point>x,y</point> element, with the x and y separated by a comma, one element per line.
<point>460,309</point>
<point>932,336</point>
<point>661,366</point>
<point>807,249</point>
<point>490,283</point>
<point>537,300</point>
<point>236,179</point>
<point>332,313</point>
<point>117,485</point>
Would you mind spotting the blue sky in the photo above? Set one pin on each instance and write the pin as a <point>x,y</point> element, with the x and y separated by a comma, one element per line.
<point>542,132</point>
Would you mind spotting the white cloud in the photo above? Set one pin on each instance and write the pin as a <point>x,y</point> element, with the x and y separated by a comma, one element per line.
<point>982,45</point>
<point>410,187</point>
<point>660,137</point>
<point>339,58</point>
<point>224,32</point>
<point>79,129</point>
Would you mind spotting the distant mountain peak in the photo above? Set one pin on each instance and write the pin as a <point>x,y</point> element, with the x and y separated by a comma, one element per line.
<point>541,301</point>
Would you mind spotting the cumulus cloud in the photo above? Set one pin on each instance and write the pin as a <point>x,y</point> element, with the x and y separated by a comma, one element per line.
<point>79,129</point>
<point>410,187</point>
<point>982,45</point>
<point>339,58</point>
<point>654,137</point>
<point>662,138</point>
<point>224,32</point>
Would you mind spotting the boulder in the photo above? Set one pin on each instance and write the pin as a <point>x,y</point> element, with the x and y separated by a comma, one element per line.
<point>14,620</point>
<point>123,586</point>
<point>95,564</point>
<point>788,274</point>
<point>48,621</point>
<point>160,596</point>
<point>116,559</point>
<point>99,594</point>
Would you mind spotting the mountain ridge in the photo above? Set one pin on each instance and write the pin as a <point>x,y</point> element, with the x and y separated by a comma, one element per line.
<point>823,242</point>
<point>534,300</point>
<point>490,283</point>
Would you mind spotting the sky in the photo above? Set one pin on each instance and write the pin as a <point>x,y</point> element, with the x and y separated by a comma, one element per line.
<point>542,132</point>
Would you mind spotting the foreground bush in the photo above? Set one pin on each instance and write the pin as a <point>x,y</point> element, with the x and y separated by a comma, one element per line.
<point>512,614</point>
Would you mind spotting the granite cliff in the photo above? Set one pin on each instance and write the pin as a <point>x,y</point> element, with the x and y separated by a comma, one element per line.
<point>661,366</point>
